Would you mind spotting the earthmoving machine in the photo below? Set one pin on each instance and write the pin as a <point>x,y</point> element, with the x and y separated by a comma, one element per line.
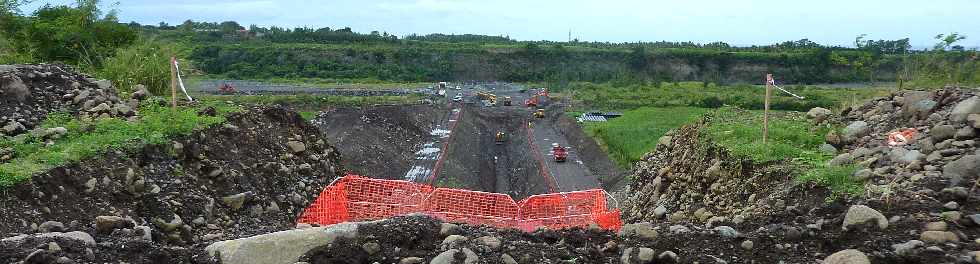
<point>500,137</point>
<point>539,113</point>
<point>559,152</point>
<point>485,96</point>
<point>532,102</point>
<point>507,101</point>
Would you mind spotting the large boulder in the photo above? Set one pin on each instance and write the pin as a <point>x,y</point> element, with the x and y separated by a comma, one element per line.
<point>848,256</point>
<point>942,132</point>
<point>859,215</point>
<point>917,104</point>
<point>13,88</point>
<point>279,247</point>
<point>963,109</point>
<point>856,130</point>
<point>818,114</point>
<point>963,167</point>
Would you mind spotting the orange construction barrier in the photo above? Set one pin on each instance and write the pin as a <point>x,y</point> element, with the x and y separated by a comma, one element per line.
<point>356,198</point>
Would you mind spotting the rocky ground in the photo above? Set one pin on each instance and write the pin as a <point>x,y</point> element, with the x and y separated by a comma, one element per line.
<point>29,92</point>
<point>922,203</point>
<point>164,203</point>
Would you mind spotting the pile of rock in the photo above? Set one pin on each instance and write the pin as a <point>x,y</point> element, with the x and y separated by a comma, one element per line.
<point>29,92</point>
<point>943,149</point>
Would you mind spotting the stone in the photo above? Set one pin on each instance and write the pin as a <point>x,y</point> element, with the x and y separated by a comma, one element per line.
<point>964,167</point>
<point>973,120</point>
<point>860,214</point>
<point>937,226</point>
<point>951,205</point>
<point>678,229</point>
<point>296,146</point>
<point>974,219</point>
<point>862,175</point>
<point>471,257</point>
<point>51,226</point>
<point>453,240</point>
<point>942,132</point>
<point>665,141</point>
<point>952,216</point>
<point>964,108</point>
<point>446,257</point>
<point>53,247</point>
<point>842,159</point>
<point>83,237</point>
<point>13,127</point>
<point>411,260</point>
<point>917,104</point>
<point>642,230</point>
<point>904,156</point>
<point>236,201</point>
<point>64,260</point>
<point>371,248</point>
<point>507,259</point>
<point>747,244</point>
<point>122,109</point>
<point>660,211</point>
<point>104,84</point>
<point>818,114</point>
<point>939,237</point>
<point>105,224</point>
<point>827,148</point>
<point>726,231</point>
<point>848,256</point>
<point>14,87</point>
<point>907,248</point>
<point>103,107</point>
<point>668,257</point>
<point>448,229</point>
<point>627,254</point>
<point>140,92</point>
<point>855,130</point>
<point>966,133</point>
<point>645,255</point>
<point>280,247</point>
<point>489,241</point>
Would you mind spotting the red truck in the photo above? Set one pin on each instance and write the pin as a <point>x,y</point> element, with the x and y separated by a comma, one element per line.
<point>559,152</point>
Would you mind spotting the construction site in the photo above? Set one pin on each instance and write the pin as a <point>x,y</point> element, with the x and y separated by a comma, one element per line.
<point>490,173</point>
<point>189,141</point>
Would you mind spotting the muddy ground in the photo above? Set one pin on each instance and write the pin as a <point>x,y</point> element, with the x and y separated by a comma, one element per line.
<point>380,141</point>
<point>476,162</point>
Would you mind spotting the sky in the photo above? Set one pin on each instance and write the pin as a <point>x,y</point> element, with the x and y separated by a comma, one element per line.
<point>744,22</point>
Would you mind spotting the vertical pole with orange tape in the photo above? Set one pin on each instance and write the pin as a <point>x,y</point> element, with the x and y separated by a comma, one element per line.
<point>765,114</point>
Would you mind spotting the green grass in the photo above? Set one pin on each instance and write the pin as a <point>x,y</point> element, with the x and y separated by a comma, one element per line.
<point>304,101</point>
<point>698,94</point>
<point>791,139</point>
<point>629,137</point>
<point>85,139</point>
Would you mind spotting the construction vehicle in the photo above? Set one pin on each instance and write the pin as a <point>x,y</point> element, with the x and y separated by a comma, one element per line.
<point>500,137</point>
<point>507,101</point>
<point>533,102</point>
<point>539,113</point>
<point>485,96</point>
<point>559,152</point>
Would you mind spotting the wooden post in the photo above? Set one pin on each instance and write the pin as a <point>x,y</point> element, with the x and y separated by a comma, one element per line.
<point>173,84</point>
<point>765,114</point>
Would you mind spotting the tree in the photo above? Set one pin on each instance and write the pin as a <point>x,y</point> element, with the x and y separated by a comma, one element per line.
<point>77,35</point>
<point>947,41</point>
<point>230,27</point>
<point>188,25</point>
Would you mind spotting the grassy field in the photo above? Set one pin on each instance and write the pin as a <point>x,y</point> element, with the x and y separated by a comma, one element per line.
<point>698,94</point>
<point>89,138</point>
<point>792,138</point>
<point>628,138</point>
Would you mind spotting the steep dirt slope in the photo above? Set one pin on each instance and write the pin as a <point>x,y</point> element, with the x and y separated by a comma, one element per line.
<point>162,204</point>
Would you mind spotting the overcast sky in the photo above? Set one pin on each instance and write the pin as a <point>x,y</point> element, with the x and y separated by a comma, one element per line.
<point>745,22</point>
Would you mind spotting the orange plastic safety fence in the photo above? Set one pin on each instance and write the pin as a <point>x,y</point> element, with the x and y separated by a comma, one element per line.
<point>355,198</point>
<point>472,207</point>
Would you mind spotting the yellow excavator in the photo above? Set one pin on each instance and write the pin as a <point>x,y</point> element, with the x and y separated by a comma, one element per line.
<point>500,137</point>
<point>539,113</point>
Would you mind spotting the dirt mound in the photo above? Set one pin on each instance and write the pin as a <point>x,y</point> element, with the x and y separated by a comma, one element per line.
<point>690,178</point>
<point>29,92</point>
<point>380,141</point>
<point>916,209</point>
<point>162,204</point>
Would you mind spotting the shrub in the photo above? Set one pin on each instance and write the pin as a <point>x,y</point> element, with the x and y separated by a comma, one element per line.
<point>147,63</point>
